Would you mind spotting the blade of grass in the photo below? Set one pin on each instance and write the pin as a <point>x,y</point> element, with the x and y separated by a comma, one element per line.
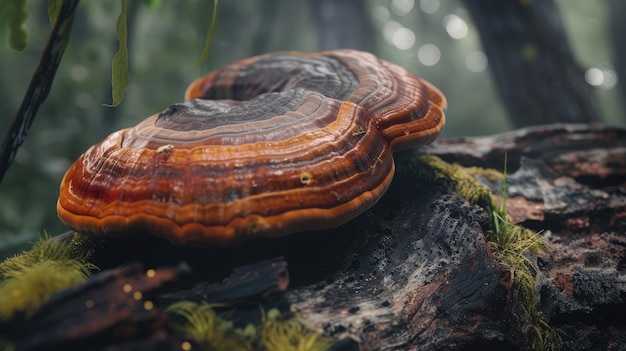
<point>210,36</point>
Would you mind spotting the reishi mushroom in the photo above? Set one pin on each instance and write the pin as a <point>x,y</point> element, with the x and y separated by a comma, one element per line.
<point>263,147</point>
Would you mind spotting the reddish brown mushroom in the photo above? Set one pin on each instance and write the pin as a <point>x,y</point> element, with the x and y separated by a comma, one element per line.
<point>265,146</point>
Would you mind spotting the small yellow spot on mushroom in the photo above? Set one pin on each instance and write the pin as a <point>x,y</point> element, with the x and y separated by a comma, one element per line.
<point>127,288</point>
<point>336,195</point>
<point>137,295</point>
<point>377,161</point>
<point>150,273</point>
<point>185,346</point>
<point>306,178</point>
<point>257,225</point>
<point>358,133</point>
<point>148,305</point>
<point>165,148</point>
<point>89,303</point>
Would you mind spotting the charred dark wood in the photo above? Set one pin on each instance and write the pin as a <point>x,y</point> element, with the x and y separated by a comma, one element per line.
<point>419,274</point>
<point>541,142</point>
<point>249,283</point>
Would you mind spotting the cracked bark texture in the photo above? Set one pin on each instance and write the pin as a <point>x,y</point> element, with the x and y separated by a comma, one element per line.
<point>567,182</point>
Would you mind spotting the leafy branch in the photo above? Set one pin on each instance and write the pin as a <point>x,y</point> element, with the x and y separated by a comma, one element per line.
<point>61,13</point>
<point>39,85</point>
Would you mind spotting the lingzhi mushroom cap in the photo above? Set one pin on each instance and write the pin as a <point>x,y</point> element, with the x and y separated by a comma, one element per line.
<point>263,147</point>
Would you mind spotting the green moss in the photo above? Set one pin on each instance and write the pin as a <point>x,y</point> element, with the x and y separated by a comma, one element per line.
<point>6,345</point>
<point>29,279</point>
<point>432,169</point>
<point>206,328</point>
<point>490,174</point>
<point>83,246</point>
<point>512,244</point>
<point>277,333</point>
<point>212,331</point>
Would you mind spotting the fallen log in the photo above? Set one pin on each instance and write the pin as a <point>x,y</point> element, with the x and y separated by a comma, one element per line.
<point>420,270</point>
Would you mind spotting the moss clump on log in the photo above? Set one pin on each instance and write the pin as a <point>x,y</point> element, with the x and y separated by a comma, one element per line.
<point>213,331</point>
<point>29,279</point>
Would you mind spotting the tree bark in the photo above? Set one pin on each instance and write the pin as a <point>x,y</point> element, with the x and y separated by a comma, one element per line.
<point>532,62</point>
<point>618,28</point>
<point>343,24</point>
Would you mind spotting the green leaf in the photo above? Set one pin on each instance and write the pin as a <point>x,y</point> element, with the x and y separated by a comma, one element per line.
<point>18,36</point>
<point>120,79</point>
<point>209,39</point>
<point>54,6</point>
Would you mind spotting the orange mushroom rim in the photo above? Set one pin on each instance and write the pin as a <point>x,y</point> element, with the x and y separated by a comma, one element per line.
<point>262,147</point>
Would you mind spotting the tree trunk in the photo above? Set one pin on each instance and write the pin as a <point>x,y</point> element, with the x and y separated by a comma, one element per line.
<point>617,8</point>
<point>532,62</point>
<point>343,24</point>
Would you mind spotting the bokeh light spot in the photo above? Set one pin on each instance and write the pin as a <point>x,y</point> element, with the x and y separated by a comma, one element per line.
<point>429,54</point>
<point>389,30</point>
<point>476,61</point>
<point>605,78</point>
<point>455,26</point>
<point>429,6</point>
<point>402,7</point>
<point>79,73</point>
<point>404,38</point>
<point>594,76</point>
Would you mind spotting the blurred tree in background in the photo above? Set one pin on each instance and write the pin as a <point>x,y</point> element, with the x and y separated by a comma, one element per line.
<point>435,39</point>
<point>531,60</point>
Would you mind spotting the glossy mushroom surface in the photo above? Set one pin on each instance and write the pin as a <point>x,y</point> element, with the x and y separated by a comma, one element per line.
<point>265,146</point>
